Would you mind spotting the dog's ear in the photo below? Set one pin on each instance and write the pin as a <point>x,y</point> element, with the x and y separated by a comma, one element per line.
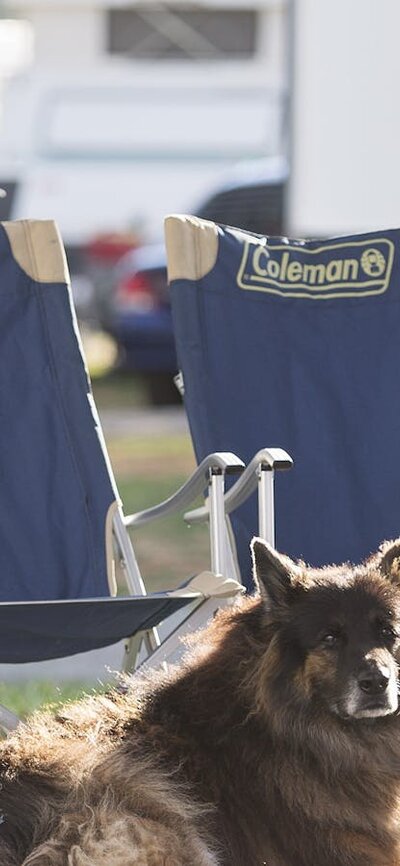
<point>389,559</point>
<point>277,576</point>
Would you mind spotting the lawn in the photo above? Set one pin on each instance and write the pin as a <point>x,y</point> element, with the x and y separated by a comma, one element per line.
<point>148,471</point>
<point>24,698</point>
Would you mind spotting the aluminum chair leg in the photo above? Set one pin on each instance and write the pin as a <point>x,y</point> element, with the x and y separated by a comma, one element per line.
<point>266,504</point>
<point>8,720</point>
<point>217,522</point>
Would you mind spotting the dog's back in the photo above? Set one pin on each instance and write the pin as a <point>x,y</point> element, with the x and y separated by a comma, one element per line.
<point>277,741</point>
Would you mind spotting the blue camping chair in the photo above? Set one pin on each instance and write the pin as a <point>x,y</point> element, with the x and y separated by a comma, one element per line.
<point>62,525</point>
<point>296,343</point>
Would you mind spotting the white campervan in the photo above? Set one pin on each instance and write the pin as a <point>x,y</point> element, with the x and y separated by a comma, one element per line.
<point>130,111</point>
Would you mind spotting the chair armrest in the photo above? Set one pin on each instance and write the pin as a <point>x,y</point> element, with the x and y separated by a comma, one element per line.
<point>220,463</point>
<point>267,459</point>
<point>209,585</point>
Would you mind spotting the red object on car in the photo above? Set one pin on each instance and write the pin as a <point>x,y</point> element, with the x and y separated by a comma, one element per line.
<point>136,291</point>
<point>111,246</point>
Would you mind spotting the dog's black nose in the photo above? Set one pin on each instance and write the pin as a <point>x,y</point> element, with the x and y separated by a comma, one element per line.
<point>373,679</point>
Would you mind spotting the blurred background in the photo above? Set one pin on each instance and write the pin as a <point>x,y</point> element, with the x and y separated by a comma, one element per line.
<point>114,114</point>
<point>277,116</point>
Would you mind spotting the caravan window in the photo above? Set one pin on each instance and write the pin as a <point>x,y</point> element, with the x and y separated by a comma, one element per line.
<point>182,33</point>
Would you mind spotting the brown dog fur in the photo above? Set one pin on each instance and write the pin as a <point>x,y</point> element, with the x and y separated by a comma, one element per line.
<point>240,757</point>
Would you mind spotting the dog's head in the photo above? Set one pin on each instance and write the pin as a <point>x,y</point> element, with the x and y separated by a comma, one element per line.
<point>336,631</point>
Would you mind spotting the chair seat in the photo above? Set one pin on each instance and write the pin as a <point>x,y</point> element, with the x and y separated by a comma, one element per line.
<point>39,630</point>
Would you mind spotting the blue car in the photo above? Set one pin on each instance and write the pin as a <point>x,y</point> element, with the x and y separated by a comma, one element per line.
<point>140,315</point>
<point>141,320</point>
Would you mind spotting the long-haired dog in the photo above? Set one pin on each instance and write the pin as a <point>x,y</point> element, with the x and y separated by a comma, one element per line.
<point>276,742</point>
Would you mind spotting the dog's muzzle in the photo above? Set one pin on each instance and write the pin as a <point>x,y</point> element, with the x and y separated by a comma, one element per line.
<point>372,693</point>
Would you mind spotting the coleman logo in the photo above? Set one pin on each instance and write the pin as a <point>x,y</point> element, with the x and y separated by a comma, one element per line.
<point>346,270</point>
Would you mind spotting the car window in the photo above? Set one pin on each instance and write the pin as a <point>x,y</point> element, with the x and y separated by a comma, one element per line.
<point>256,208</point>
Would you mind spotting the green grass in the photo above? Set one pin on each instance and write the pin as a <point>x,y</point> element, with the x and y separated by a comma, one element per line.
<point>118,390</point>
<point>149,470</point>
<point>25,698</point>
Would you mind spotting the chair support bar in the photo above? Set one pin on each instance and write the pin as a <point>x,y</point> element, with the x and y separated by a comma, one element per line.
<point>217,522</point>
<point>260,471</point>
<point>266,504</point>
<point>221,462</point>
<point>8,720</point>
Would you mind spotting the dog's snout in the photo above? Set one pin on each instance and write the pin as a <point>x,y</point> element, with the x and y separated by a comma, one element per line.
<point>374,679</point>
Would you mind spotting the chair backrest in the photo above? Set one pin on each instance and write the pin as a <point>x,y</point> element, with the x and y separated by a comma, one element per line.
<point>296,344</point>
<point>58,494</point>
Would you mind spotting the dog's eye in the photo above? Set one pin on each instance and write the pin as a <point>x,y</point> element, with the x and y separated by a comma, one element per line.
<point>330,639</point>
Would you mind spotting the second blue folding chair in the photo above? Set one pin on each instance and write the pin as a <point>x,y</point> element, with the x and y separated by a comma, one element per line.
<point>296,344</point>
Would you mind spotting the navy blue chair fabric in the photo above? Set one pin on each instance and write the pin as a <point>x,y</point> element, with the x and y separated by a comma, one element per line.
<point>35,631</point>
<point>56,490</point>
<point>54,479</point>
<point>296,344</point>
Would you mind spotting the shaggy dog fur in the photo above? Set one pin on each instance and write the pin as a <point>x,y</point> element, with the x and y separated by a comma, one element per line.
<point>276,742</point>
